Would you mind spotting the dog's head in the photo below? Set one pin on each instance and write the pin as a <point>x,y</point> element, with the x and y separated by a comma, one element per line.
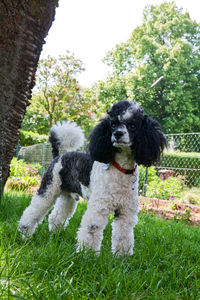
<point>126,125</point>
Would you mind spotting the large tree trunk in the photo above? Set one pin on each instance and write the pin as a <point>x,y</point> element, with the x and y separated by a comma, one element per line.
<point>23,27</point>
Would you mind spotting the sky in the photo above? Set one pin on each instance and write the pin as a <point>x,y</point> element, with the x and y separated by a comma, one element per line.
<point>90,28</point>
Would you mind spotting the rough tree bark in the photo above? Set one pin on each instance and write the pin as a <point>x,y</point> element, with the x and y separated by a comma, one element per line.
<point>23,26</point>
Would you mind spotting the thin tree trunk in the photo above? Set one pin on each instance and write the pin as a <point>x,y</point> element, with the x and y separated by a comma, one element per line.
<point>23,27</point>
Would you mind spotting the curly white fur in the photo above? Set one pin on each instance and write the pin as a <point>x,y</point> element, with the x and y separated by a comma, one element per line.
<point>119,193</point>
<point>69,134</point>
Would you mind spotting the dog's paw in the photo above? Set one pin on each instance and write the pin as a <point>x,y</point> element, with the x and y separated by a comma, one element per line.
<point>25,230</point>
<point>122,252</point>
<point>53,227</point>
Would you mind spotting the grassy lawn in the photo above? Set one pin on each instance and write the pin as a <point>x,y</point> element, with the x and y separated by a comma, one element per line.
<point>165,264</point>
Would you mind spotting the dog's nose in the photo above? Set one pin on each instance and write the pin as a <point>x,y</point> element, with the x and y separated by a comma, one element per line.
<point>118,134</point>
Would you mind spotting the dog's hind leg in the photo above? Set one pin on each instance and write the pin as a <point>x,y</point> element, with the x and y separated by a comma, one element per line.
<point>42,201</point>
<point>63,210</point>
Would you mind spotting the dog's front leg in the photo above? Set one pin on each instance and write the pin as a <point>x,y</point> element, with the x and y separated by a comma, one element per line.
<point>122,232</point>
<point>90,234</point>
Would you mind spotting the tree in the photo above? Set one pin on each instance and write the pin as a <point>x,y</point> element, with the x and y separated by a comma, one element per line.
<point>24,25</point>
<point>35,119</point>
<point>57,85</point>
<point>58,96</point>
<point>167,43</point>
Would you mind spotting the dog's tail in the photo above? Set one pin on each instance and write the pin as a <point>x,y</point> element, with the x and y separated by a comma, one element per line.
<point>66,135</point>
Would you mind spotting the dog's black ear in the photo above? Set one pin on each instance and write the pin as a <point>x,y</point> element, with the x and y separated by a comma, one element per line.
<point>149,142</point>
<point>100,146</point>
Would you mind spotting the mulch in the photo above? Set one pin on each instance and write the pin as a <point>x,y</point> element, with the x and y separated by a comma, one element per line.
<point>168,210</point>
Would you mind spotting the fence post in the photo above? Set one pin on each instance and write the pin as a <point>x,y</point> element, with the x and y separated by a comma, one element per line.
<point>44,157</point>
<point>145,182</point>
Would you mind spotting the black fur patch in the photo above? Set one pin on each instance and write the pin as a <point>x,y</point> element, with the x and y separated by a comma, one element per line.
<point>55,143</point>
<point>76,169</point>
<point>119,108</point>
<point>148,142</point>
<point>92,228</point>
<point>117,213</point>
<point>47,177</point>
<point>100,147</point>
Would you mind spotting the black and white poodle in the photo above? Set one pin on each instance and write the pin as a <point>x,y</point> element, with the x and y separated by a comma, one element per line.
<point>107,176</point>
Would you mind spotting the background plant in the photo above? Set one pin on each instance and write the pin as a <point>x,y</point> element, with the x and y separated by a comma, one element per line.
<point>165,189</point>
<point>23,176</point>
<point>148,175</point>
<point>30,138</point>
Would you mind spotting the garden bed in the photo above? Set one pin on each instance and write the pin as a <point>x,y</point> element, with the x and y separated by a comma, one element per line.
<point>171,209</point>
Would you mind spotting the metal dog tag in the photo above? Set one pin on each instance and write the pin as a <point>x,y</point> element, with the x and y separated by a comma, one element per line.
<point>105,166</point>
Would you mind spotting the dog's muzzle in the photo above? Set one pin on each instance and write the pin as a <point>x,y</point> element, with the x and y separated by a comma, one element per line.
<point>120,137</point>
<point>118,134</point>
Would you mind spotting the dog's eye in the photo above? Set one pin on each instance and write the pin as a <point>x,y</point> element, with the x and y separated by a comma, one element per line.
<point>131,126</point>
<point>113,125</point>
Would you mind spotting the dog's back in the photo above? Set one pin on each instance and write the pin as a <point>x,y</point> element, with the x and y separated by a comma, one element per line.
<point>75,166</point>
<point>75,172</point>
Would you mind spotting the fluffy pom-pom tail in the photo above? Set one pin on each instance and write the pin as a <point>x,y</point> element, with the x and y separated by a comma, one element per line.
<point>66,135</point>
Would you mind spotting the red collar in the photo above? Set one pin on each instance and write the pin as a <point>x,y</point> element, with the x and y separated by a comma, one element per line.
<point>125,171</point>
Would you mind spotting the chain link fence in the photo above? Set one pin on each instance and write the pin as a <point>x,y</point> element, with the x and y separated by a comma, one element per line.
<point>39,153</point>
<point>182,157</point>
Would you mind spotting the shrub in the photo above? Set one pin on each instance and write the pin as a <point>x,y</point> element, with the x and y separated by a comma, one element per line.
<point>165,189</point>
<point>192,195</point>
<point>23,176</point>
<point>28,138</point>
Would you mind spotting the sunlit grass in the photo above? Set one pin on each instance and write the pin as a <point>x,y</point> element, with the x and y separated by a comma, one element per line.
<point>165,264</point>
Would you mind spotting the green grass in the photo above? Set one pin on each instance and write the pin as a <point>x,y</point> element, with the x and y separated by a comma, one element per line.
<point>165,264</point>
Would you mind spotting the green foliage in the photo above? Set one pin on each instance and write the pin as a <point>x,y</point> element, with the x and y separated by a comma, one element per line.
<point>192,195</point>
<point>151,174</point>
<point>157,188</point>
<point>23,176</point>
<point>28,138</point>
<point>58,96</point>
<point>181,158</point>
<point>165,264</point>
<point>58,90</point>
<point>87,111</point>
<point>186,161</point>
<point>36,118</point>
<point>185,217</point>
<point>167,43</point>
<point>165,189</point>
<point>111,91</point>
<point>189,142</point>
